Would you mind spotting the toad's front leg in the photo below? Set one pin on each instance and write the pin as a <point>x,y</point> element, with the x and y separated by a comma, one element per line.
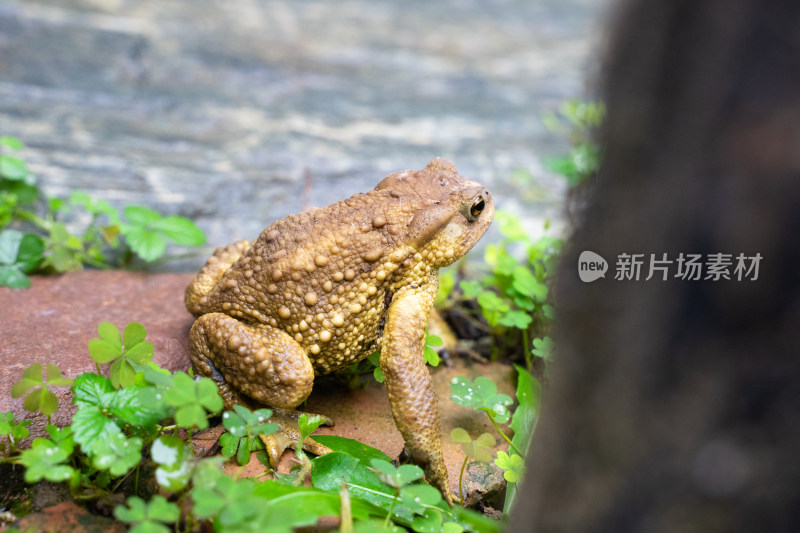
<point>414,404</point>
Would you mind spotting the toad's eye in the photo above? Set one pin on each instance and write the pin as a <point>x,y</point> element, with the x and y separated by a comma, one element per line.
<point>477,206</point>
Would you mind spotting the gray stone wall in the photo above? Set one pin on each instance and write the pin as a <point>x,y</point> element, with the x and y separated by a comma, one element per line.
<point>241,112</point>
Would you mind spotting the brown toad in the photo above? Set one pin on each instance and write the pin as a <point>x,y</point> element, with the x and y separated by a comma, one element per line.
<point>321,290</point>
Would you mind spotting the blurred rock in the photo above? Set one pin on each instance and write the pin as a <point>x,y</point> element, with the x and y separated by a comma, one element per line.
<point>218,111</point>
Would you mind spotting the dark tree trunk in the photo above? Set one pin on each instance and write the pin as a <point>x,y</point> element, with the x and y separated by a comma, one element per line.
<point>675,405</point>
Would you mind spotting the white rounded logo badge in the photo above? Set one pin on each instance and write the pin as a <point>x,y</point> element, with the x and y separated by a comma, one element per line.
<point>591,266</point>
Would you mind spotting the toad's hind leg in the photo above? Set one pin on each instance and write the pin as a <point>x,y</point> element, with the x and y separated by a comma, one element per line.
<point>265,363</point>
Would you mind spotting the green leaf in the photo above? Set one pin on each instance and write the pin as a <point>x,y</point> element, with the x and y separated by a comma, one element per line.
<point>471,289</point>
<point>134,334</point>
<point>13,168</point>
<point>433,340</point>
<point>477,522</point>
<point>543,348</point>
<point>110,333</point>
<point>19,254</point>
<point>48,403</point>
<point>141,216</point>
<point>173,457</point>
<point>92,389</point>
<point>140,353</point>
<point>525,415</point>
<point>416,497</point>
<point>122,373</point>
<point>482,395</point>
<point>523,422</point>
<point>526,283</point>
<point>90,426</point>
<point>377,373</point>
<point>208,395</point>
<point>192,415</point>
<point>44,461</point>
<point>396,477</point>
<point>193,398</point>
<point>516,319</point>
<point>234,424</point>
<point>117,454</point>
<point>492,306</point>
<point>308,424</point>
<point>182,390</point>
<point>148,517</point>
<point>513,466</point>
<point>162,510</point>
<point>329,471</point>
<point>31,377</point>
<point>360,451</point>
<point>102,351</point>
<point>429,522</point>
<point>127,405</point>
<point>13,278</point>
<point>480,449</point>
<point>11,142</point>
<point>229,443</point>
<point>181,230</point>
<point>147,244</point>
<point>30,252</point>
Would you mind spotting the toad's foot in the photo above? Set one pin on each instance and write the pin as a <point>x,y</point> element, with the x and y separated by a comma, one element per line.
<point>288,435</point>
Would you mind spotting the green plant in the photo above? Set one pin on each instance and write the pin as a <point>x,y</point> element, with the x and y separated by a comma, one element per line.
<point>51,247</point>
<point>40,397</point>
<point>117,432</point>
<point>479,449</point>
<point>148,517</point>
<point>514,297</point>
<point>244,427</point>
<point>482,395</point>
<point>578,121</point>
<point>108,348</point>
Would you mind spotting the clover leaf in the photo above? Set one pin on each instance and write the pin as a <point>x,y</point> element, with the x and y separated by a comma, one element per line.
<point>244,427</point>
<point>543,348</point>
<point>45,460</point>
<point>526,284</point>
<point>173,457</point>
<point>231,503</point>
<point>15,429</point>
<point>377,373</point>
<point>148,517</point>
<point>513,466</point>
<point>492,306</point>
<point>147,232</point>
<point>516,319</point>
<point>128,351</point>
<point>396,477</point>
<point>480,449</point>
<point>481,396</point>
<point>19,255</point>
<point>40,398</point>
<point>194,400</point>
<point>416,497</point>
<point>430,355</point>
<point>117,454</point>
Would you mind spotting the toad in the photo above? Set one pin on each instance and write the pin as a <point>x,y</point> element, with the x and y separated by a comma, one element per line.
<point>321,290</point>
